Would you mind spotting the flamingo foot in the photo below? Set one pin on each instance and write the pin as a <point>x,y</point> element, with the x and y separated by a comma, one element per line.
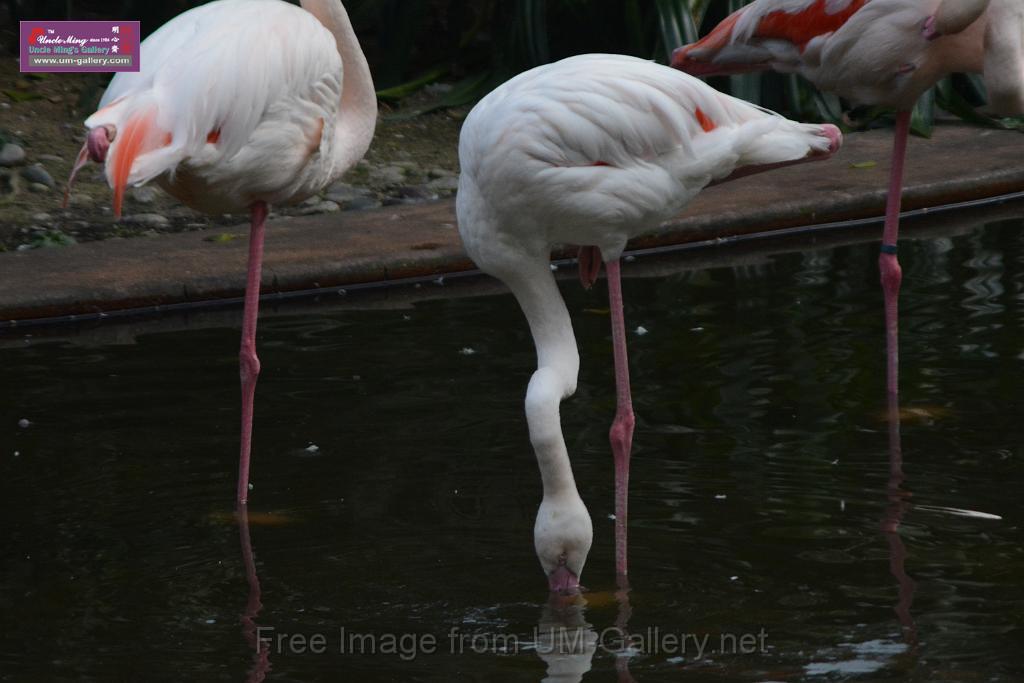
<point>928,30</point>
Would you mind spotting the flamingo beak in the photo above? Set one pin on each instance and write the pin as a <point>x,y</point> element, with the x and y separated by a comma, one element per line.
<point>562,580</point>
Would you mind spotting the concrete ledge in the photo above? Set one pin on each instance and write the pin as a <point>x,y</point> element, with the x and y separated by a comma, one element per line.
<point>959,163</point>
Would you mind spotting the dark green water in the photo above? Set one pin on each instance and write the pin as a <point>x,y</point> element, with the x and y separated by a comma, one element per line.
<point>760,484</point>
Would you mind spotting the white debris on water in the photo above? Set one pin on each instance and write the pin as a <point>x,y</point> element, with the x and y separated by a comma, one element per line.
<point>641,331</point>
<point>612,516</point>
<point>975,514</point>
<point>24,423</point>
<point>721,496</point>
<point>554,267</point>
<point>312,448</point>
<point>467,351</point>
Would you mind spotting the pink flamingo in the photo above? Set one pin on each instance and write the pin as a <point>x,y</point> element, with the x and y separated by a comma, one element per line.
<point>240,104</point>
<point>593,150</point>
<point>874,52</point>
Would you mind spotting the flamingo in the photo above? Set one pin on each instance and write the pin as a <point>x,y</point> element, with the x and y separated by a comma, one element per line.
<point>874,52</point>
<point>593,150</point>
<point>239,104</point>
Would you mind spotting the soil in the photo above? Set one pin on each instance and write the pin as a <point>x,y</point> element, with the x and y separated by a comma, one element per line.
<point>412,159</point>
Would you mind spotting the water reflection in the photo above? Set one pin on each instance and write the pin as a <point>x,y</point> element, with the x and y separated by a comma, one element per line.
<point>565,640</point>
<point>898,504</point>
<point>250,629</point>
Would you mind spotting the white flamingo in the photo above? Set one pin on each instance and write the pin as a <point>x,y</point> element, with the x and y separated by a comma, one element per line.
<point>240,104</point>
<point>593,150</point>
<point>875,52</point>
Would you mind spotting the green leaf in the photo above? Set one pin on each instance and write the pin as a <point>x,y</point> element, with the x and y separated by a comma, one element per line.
<point>22,95</point>
<point>465,91</point>
<point>406,89</point>
<point>922,118</point>
<point>221,238</point>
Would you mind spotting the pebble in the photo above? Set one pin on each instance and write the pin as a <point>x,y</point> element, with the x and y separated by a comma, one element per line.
<point>444,184</point>
<point>343,192</point>
<point>38,187</point>
<point>416,193</point>
<point>144,195</point>
<point>388,175</point>
<point>50,157</point>
<point>11,154</point>
<point>325,206</point>
<point>362,203</point>
<point>150,220</point>
<point>37,174</point>
<point>42,217</point>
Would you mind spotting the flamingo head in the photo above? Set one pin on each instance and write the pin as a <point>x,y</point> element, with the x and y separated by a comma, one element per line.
<point>562,536</point>
<point>98,142</point>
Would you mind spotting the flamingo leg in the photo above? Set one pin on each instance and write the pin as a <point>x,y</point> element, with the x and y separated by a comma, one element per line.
<point>248,362</point>
<point>621,434</point>
<point>888,264</point>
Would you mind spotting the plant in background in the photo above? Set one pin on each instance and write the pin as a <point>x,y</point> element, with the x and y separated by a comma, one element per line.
<point>478,44</point>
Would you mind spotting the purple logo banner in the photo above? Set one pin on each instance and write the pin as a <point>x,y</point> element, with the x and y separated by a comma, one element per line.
<point>79,46</point>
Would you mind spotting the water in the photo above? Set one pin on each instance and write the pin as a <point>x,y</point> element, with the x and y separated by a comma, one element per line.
<point>395,488</point>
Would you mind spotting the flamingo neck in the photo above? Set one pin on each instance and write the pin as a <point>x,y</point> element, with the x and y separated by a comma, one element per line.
<point>357,112</point>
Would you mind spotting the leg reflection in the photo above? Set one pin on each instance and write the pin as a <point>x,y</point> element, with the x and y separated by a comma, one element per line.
<point>898,504</point>
<point>261,647</point>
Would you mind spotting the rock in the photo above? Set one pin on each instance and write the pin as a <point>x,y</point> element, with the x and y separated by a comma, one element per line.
<point>417,193</point>
<point>144,195</point>
<point>49,157</point>
<point>8,183</point>
<point>362,203</point>
<point>343,192</point>
<point>444,184</point>
<point>37,174</point>
<point>388,175</point>
<point>149,220</point>
<point>11,154</point>
<point>38,187</point>
<point>41,217</point>
<point>439,173</point>
<point>319,207</point>
<point>407,165</point>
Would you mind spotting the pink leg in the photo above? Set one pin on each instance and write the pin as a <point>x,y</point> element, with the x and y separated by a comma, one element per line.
<point>621,434</point>
<point>249,364</point>
<point>888,264</point>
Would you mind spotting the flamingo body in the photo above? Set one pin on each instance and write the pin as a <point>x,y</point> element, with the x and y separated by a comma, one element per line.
<point>593,150</point>
<point>239,104</point>
<point>239,101</point>
<point>875,52</point>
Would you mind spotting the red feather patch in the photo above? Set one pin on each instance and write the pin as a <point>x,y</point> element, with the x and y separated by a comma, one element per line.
<point>705,121</point>
<point>802,27</point>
